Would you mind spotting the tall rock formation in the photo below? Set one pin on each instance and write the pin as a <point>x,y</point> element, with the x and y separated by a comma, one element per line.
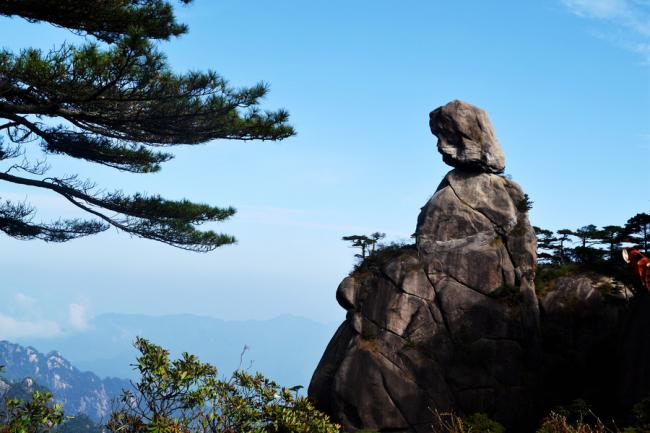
<point>451,323</point>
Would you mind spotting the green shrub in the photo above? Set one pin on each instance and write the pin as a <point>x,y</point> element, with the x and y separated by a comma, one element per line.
<point>547,274</point>
<point>641,415</point>
<point>185,395</point>
<point>37,414</point>
<point>641,412</point>
<point>481,423</point>
<point>381,255</point>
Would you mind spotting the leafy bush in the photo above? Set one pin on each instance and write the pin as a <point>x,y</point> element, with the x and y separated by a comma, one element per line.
<point>641,412</point>
<point>185,395</point>
<point>180,396</point>
<point>480,423</point>
<point>37,414</point>
<point>641,415</point>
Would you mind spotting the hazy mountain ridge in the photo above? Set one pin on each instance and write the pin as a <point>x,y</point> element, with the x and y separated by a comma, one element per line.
<point>286,348</point>
<point>78,391</point>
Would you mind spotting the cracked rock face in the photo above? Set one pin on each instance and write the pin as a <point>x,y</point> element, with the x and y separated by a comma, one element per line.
<point>582,319</point>
<point>450,323</point>
<point>466,138</point>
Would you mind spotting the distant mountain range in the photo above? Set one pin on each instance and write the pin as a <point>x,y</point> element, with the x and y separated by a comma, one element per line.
<point>286,348</point>
<point>26,369</point>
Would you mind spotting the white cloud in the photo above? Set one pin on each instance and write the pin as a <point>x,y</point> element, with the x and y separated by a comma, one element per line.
<point>24,301</point>
<point>78,317</point>
<point>25,320</point>
<point>642,48</point>
<point>632,17</point>
<point>598,8</point>
<point>11,328</point>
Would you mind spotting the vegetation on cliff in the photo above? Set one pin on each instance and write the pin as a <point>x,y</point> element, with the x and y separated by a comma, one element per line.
<point>182,395</point>
<point>590,249</point>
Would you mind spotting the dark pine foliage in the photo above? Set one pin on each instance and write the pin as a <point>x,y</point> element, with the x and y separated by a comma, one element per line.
<point>638,230</point>
<point>590,248</point>
<point>113,100</point>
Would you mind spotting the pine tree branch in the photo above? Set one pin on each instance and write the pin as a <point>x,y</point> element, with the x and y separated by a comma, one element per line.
<point>107,21</point>
<point>170,222</point>
<point>98,149</point>
<point>15,221</point>
<point>112,103</point>
<point>130,89</point>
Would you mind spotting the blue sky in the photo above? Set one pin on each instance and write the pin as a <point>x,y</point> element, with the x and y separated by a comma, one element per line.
<point>565,82</point>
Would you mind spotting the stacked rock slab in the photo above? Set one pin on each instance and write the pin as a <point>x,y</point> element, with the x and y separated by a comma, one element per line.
<point>451,323</point>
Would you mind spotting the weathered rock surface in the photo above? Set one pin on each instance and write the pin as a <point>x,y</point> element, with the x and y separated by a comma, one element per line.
<point>466,138</point>
<point>582,319</point>
<point>633,375</point>
<point>451,322</point>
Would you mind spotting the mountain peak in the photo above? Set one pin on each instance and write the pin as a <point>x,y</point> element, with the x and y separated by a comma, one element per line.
<point>77,391</point>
